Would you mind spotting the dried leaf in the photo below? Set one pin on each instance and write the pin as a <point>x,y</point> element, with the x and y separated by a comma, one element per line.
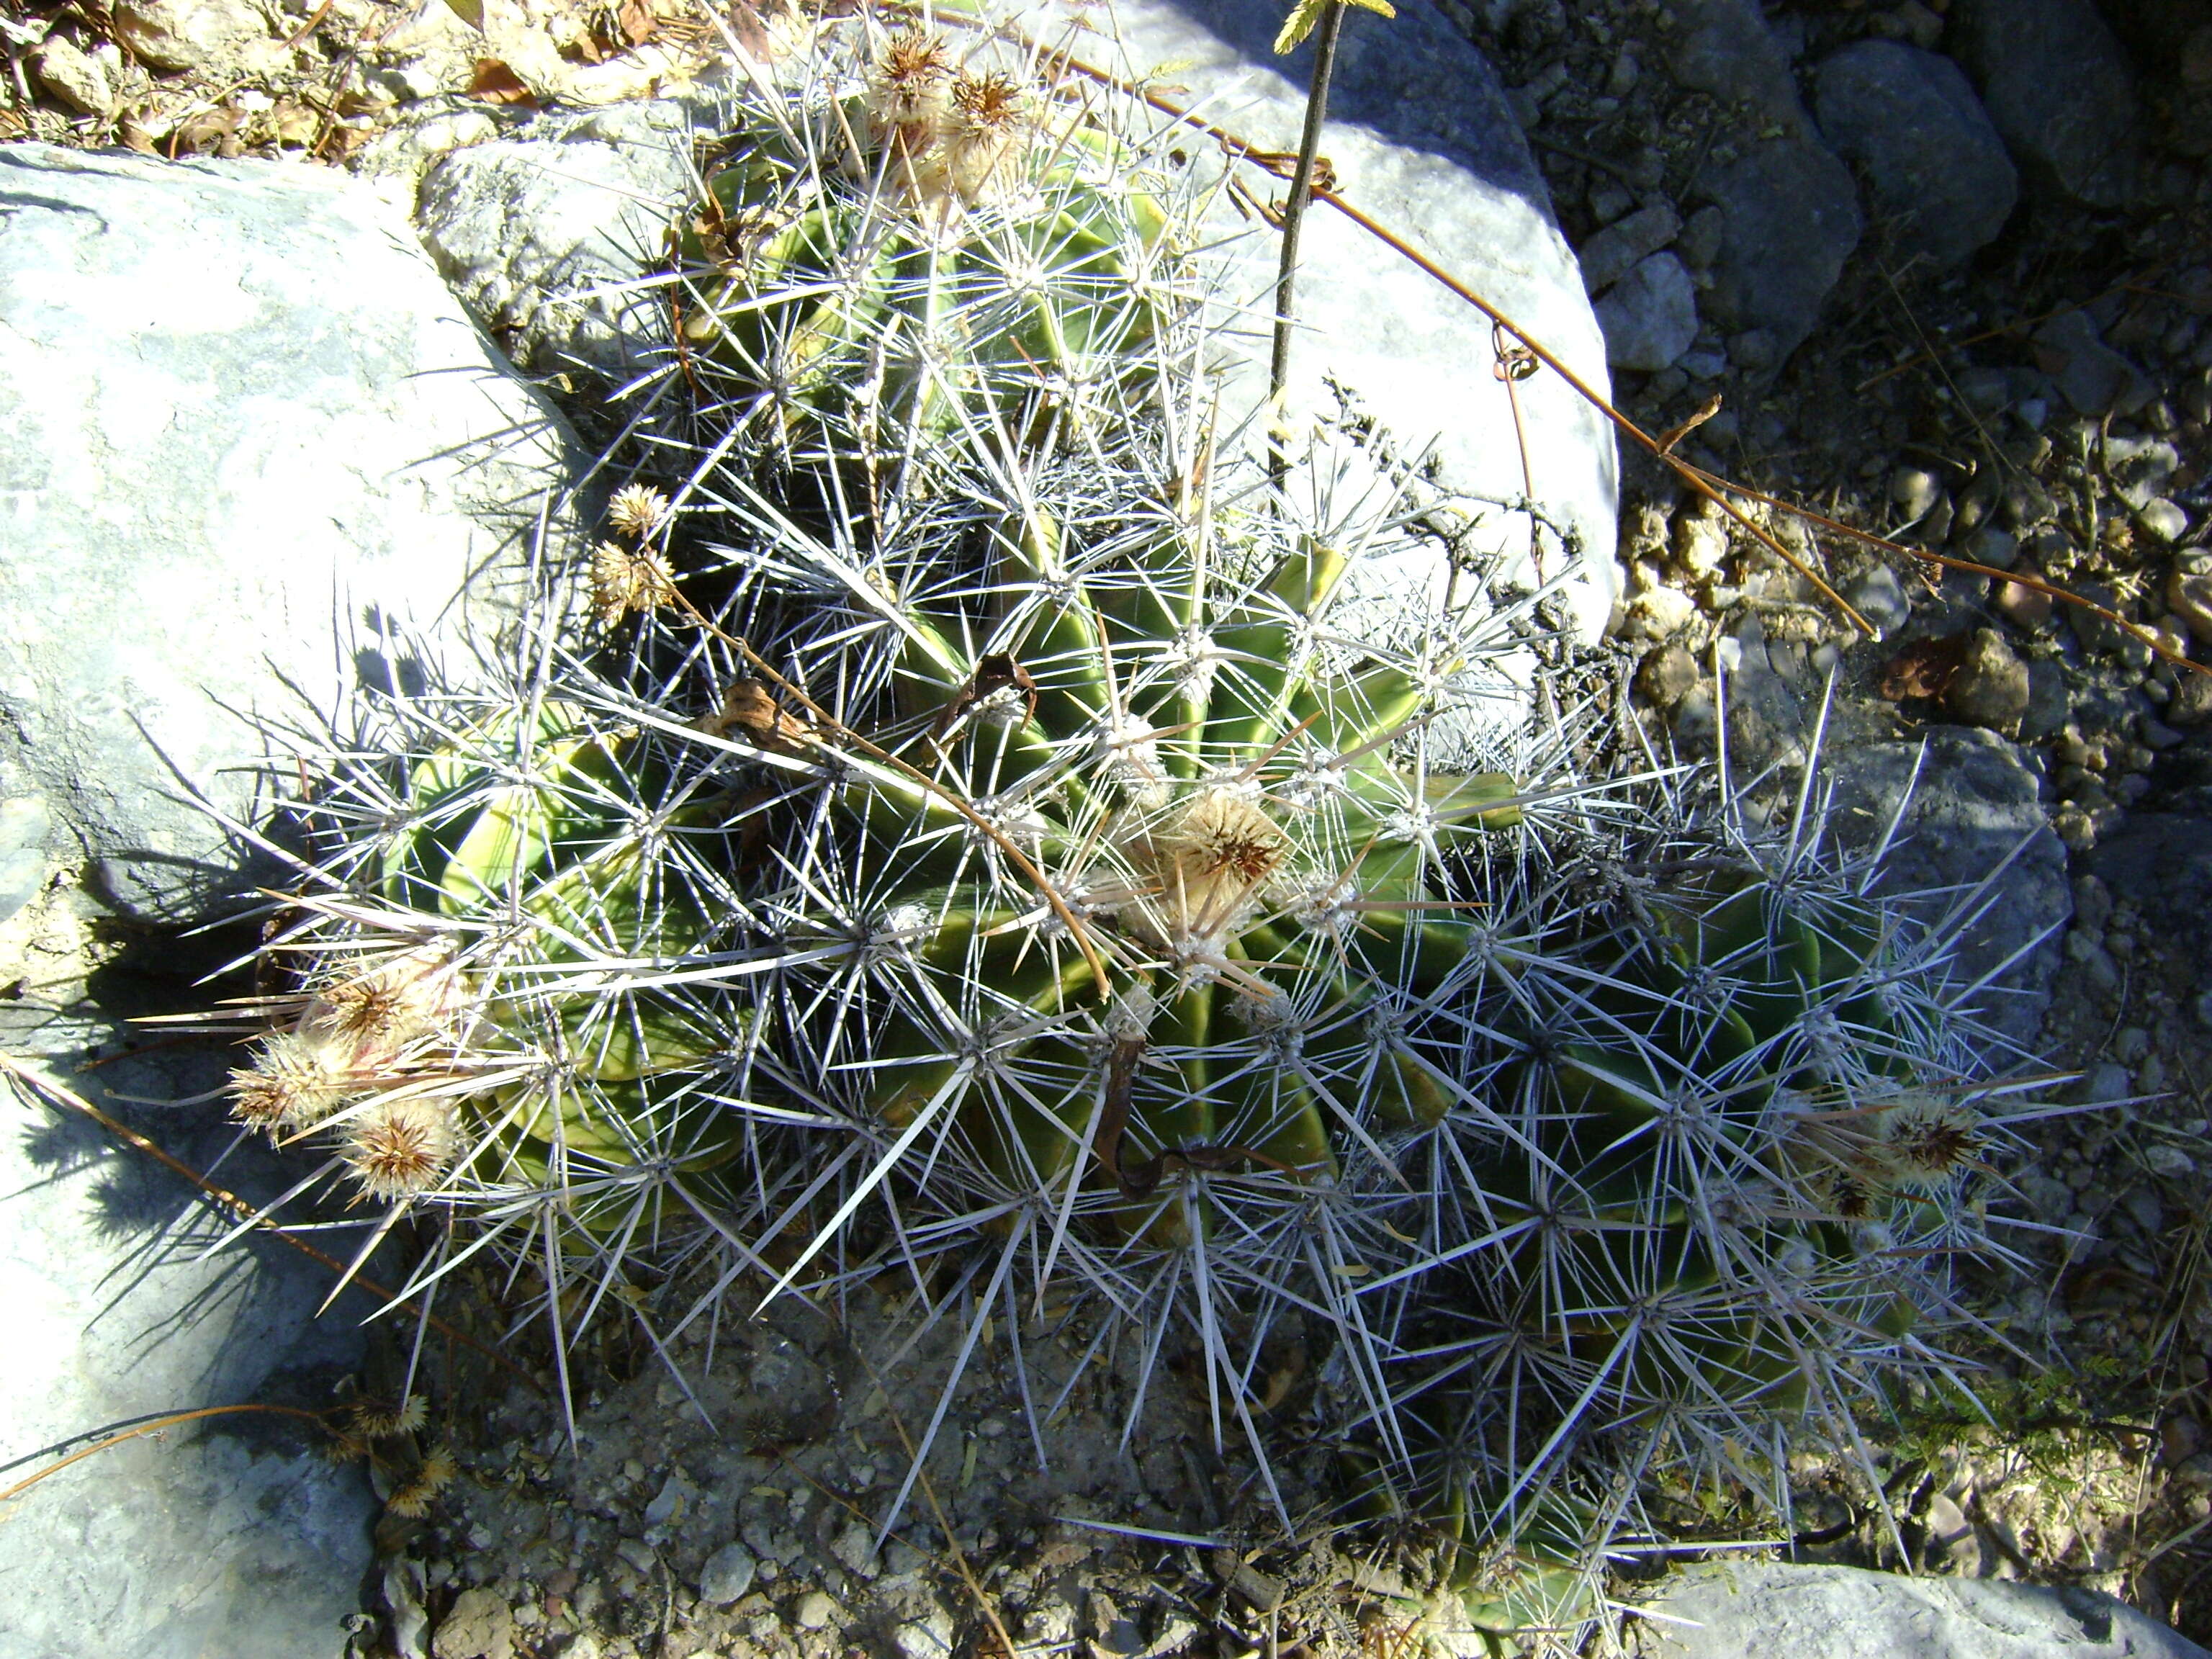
<point>210,129</point>
<point>749,706</point>
<point>294,124</point>
<point>745,20</point>
<point>637,21</point>
<point>469,11</point>
<point>495,83</point>
<point>1925,668</point>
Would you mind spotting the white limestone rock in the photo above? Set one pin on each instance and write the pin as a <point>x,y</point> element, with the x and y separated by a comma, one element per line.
<point>251,432</point>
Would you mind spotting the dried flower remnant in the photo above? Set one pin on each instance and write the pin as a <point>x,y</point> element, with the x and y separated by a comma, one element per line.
<point>412,1501</point>
<point>986,124</point>
<point>906,97</point>
<point>378,1419</point>
<point>637,511</point>
<point>1924,1138</point>
<point>400,1146</point>
<point>1212,867</point>
<point>414,995</point>
<point>623,580</point>
<point>296,1082</point>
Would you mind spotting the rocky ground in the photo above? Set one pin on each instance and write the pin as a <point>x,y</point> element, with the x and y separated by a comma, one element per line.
<point>1939,282</point>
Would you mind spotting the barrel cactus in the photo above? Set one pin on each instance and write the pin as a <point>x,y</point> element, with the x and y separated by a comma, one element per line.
<point>1046,855</point>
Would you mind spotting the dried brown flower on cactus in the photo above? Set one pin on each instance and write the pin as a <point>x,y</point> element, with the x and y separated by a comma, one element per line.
<point>297,1081</point>
<point>400,1146</point>
<point>908,92</point>
<point>375,1420</point>
<point>390,1004</point>
<point>986,121</point>
<point>623,580</point>
<point>637,511</point>
<point>412,1501</point>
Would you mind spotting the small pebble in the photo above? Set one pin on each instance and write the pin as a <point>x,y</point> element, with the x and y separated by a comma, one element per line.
<point>727,1574</point>
<point>925,1638</point>
<point>1990,688</point>
<point>2190,598</point>
<point>1914,490</point>
<point>1665,675</point>
<point>2162,519</point>
<point>1879,598</point>
<point>2104,1085</point>
<point>2168,1159</point>
<point>1997,548</point>
<point>815,1611</point>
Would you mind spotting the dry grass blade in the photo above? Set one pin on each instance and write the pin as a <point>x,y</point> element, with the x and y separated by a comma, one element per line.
<point>154,1427</point>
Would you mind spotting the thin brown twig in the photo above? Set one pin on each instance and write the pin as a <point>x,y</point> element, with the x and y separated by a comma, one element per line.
<point>244,1211</point>
<point>1707,484</point>
<point>1243,149</point>
<point>154,1427</point>
<point>1294,219</point>
<point>1512,364</point>
<point>1949,562</point>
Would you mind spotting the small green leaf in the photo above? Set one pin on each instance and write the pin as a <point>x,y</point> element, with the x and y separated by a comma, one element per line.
<point>1307,13</point>
<point>1299,24</point>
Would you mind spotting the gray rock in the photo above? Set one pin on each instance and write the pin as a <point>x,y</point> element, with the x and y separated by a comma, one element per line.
<point>253,432</point>
<point>2140,468</point>
<point>2093,378</point>
<point>1766,714</point>
<point>2058,86</point>
<point>727,1574</point>
<point>234,1535</point>
<point>1607,257</point>
<point>1421,137</point>
<point>1975,806</point>
<point>1990,688</point>
<point>191,34</point>
<point>2190,598</point>
<point>26,828</point>
<point>1881,598</point>
<point>74,76</point>
<point>2165,520</point>
<point>928,1637</point>
<point>1999,548</point>
<point>1933,161</point>
<point>1758,1610</point>
<point>1703,233</point>
<point>1650,315</point>
<point>538,232</point>
<point>479,1626</point>
<point>1666,675</point>
<point>1727,48</point>
<point>1789,219</point>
